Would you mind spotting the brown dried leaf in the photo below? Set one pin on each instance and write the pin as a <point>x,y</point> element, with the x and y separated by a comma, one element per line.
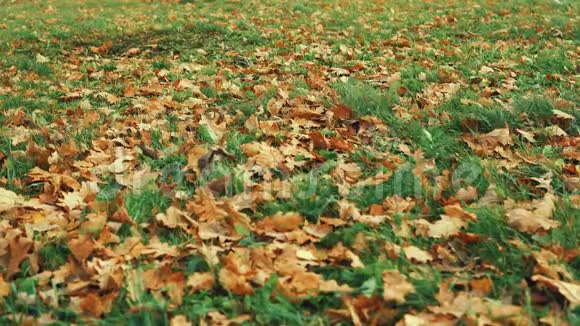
<point>416,254</point>
<point>280,222</point>
<point>206,207</point>
<point>180,320</point>
<point>81,247</point>
<point>200,281</point>
<point>18,247</point>
<point>535,219</point>
<point>396,286</point>
<point>4,287</point>
<point>570,291</point>
<point>456,211</point>
<point>8,200</point>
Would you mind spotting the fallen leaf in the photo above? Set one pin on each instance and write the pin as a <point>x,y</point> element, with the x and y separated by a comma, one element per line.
<point>456,211</point>
<point>482,285</point>
<point>180,320</point>
<point>281,222</point>
<point>41,59</point>
<point>4,287</point>
<point>568,290</point>
<point>416,254</point>
<point>92,305</point>
<point>535,219</point>
<point>200,281</point>
<point>8,200</point>
<point>81,247</point>
<point>396,286</point>
<point>19,246</point>
<point>206,207</point>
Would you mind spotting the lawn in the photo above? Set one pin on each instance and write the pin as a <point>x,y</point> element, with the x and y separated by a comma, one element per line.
<point>303,163</point>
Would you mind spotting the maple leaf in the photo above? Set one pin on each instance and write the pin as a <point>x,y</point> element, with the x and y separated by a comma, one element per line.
<point>206,207</point>
<point>537,218</point>
<point>81,247</point>
<point>494,139</point>
<point>200,281</point>
<point>467,194</point>
<point>416,254</point>
<point>396,286</point>
<point>445,227</point>
<point>172,218</point>
<point>19,246</point>
<point>548,264</point>
<point>92,305</point>
<point>280,222</point>
<point>349,172</point>
<point>466,304</point>
<point>235,276</point>
<point>264,155</point>
<point>300,285</point>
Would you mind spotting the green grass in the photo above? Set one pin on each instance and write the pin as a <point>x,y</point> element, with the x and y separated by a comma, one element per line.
<point>143,206</point>
<point>364,99</point>
<point>516,65</point>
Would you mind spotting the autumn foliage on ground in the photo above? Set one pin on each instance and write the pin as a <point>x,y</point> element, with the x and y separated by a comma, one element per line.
<point>310,162</point>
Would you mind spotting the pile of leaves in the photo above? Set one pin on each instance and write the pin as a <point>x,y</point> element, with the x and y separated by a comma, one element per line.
<point>345,162</point>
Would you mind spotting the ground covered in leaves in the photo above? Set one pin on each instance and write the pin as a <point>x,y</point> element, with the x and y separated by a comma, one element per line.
<point>317,162</point>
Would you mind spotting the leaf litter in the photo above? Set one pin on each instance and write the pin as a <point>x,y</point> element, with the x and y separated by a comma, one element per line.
<point>371,173</point>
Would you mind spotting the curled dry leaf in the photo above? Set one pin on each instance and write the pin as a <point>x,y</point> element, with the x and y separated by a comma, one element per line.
<point>570,291</point>
<point>474,306</point>
<point>467,194</point>
<point>349,172</point>
<point>91,304</point>
<point>425,319</point>
<point>264,154</point>
<point>456,211</point>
